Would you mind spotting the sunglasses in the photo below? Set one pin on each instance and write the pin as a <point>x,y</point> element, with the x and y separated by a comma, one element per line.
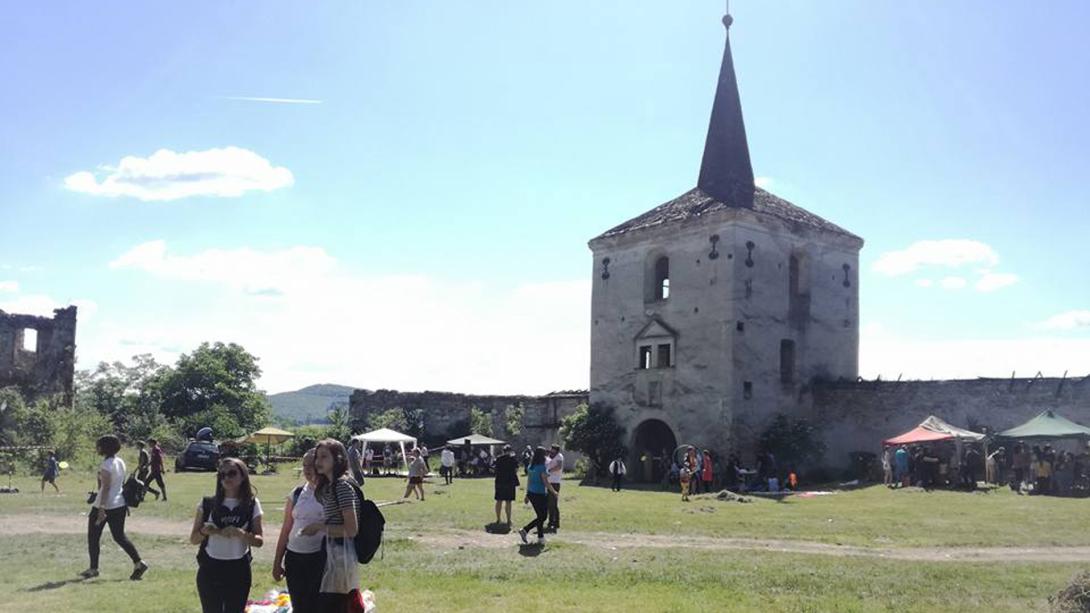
<point>229,474</point>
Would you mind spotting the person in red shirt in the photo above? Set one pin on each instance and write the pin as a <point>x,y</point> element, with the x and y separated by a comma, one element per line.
<point>706,475</point>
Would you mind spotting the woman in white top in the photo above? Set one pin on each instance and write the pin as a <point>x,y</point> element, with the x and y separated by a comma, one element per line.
<point>300,557</point>
<point>109,507</point>
<point>226,526</point>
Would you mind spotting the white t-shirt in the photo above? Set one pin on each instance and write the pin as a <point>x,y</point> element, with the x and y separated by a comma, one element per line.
<point>307,510</point>
<point>447,458</point>
<point>230,548</point>
<point>111,497</point>
<point>555,466</point>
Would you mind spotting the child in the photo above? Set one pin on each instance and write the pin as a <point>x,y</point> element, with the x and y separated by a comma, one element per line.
<point>684,477</point>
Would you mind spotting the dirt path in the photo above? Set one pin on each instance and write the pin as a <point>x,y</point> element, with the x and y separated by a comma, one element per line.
<point>20,524</point>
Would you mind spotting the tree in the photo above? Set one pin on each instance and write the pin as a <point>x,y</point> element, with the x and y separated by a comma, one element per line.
<point>393,419</point>
<point>214,386</point>
<point>338,423</point>
<point>512,418</point>
<point>795,444</point>
<point>123,395</point>
<point>480,422</point>
<point>593,430</point>
<point>12,414</point>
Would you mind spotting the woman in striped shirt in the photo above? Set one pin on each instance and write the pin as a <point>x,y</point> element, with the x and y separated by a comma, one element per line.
<point>338,497</point>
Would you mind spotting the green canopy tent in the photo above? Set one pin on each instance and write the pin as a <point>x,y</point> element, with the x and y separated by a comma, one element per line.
<point>1048,425</point>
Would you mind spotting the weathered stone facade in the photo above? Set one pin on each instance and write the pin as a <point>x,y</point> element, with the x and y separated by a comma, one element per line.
<point>47,366</point>
<point>446,414</point>
<point>858,416</point>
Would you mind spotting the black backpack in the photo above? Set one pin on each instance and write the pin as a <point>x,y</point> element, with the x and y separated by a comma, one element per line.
<point>370,523</point>
<point>133,491</point>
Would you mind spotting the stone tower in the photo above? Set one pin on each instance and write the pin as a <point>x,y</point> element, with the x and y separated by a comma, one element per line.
<point>714,311</point>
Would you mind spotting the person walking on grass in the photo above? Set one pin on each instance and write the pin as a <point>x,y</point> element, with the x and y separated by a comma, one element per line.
<point>446,464</point>
<point>507,481</point>
<point>417,470</point>
<point>156,475</point>
<point>617,470</point>
<point>226,526</point>
<point>52,471</point>
<point>538,491</point>
<point>108,508</point>
<point>339,526</point>
<point>143,467</point>
<point>555,470</point>
<point>355,460</point>
<point>298,557</point>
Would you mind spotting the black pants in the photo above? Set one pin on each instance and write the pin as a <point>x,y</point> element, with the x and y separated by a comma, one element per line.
<point>223,585</point>
<point>541,509</point>
<point>115,518</point>
<point>304,574</point>
<point>157,477</point>
<point>617,483</point>
<point>554,507</point>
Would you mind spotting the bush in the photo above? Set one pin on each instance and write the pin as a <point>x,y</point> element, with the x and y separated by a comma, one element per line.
<point>1075,598</point>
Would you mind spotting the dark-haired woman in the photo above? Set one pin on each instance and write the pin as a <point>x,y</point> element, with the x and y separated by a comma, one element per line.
<point>298,557</point>
<point>226,526</point>
<point>538,489</point>
<point>108,508</point>
<point>338,497</point>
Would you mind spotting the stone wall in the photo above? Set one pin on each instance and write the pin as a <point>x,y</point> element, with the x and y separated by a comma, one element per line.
<point>446,414</point>
<point>47,368</point>
<point>858,416</point>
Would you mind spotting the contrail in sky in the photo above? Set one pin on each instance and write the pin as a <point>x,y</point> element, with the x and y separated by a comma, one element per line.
<point>273,100</point>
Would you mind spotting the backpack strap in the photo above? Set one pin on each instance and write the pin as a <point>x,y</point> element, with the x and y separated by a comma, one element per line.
<point>295,495</point>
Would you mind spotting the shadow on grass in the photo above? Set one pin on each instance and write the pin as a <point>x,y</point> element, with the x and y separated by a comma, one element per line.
<point>494,528</point>
<point>532,550</point>
<point>52,585</point>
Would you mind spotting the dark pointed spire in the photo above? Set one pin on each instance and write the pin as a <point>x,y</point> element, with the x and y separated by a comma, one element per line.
<point>725,172</point>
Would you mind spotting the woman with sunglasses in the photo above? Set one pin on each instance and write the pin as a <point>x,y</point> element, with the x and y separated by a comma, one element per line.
<point>226,526</point>
<point>298,557</point>
<point>338,496</point>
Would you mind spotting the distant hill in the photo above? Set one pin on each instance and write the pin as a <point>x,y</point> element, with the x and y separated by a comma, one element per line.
<point>310,404</point>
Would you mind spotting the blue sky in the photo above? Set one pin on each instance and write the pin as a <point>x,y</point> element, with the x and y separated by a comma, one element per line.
<point>417,218</point>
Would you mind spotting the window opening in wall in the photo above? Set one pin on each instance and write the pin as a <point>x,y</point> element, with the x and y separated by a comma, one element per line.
<point>645,357</point>
<point>663,358</point>
<point>740,326</point>
<point>30,340</point>
<point>747,390</point>
<point>787,361</point>
<point>662,278</point>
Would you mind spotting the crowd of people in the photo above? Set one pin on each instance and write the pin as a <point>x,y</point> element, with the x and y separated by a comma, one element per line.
<point>1026,469</point>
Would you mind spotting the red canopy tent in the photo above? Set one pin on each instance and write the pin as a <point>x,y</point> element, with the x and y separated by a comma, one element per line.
<point>933,429</point>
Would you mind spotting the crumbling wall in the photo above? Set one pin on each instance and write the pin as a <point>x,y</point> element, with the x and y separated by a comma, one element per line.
<point>47,367</point>
<point>445,412</point>
<point>858,416</point>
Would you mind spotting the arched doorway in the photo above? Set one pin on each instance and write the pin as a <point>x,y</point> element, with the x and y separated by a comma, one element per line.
<point>652,444</point>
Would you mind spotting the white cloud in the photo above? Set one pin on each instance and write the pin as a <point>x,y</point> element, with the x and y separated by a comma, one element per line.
<point>1068,320</point>
<point>953,283</point>
<point>885,353</point>
<point>43,305</point>
<point>991,281</point>
<point>9,286</point>
<point>273,100</point>
<point>924,282</point>
<point>309,320</point>
<point>763,182</point>
<point>167,175</point>
<point>950,253</point>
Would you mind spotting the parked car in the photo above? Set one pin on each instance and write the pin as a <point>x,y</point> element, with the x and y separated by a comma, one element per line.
<point>198,455</point>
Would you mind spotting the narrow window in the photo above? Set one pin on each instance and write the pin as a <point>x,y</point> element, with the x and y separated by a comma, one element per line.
<point>662,278</point>
<point>645,357</point>
<point>747,390</point>
<point>30,340</point>
<point>663,357</point>
<point>787,361</point>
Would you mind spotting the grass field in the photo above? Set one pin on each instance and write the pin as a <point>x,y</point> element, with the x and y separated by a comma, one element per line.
<point>632,551</point>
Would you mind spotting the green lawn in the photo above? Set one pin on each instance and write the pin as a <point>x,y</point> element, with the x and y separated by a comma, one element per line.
<point>418,572</point>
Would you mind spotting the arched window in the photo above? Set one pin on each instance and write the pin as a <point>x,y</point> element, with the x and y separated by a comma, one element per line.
<point>662,278</point>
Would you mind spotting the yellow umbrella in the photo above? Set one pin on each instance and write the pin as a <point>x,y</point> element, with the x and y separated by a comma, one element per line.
<point>269,436</point>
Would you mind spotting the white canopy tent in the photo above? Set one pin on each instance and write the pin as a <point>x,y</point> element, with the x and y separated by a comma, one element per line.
<point>386,435</point>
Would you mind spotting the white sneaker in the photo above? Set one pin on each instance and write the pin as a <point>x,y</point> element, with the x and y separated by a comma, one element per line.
<point>541,540</point>
<point>522,535</point>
